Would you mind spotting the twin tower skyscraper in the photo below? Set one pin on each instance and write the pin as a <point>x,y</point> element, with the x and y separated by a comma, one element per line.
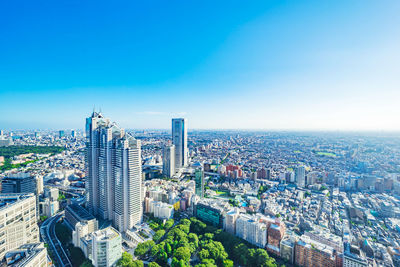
<point>114,173</point>
<point>114,185</point>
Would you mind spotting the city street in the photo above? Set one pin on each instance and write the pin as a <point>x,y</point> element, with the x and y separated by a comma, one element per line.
<point>48,234</point>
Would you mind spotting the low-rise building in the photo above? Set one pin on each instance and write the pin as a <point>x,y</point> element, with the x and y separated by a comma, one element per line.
<point>28,255</point>
<point>309,252</point>
<point>75,213</point>
<point>353,257</point>
<point>275,234</point>
<point>18,221</point>
<point>163,210</point>
<point>287,246</point>
<point>252,230</point>
<point>106,247</point>
<point>48,207</point>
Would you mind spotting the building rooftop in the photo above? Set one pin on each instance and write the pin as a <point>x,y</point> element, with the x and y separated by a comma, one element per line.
<point>9,199</point>
<point>81,212</point>
<point>24,254</point>
<point>105,234</point>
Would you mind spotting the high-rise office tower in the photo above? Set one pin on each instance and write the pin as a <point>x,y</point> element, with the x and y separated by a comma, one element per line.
<point>169,161</point>
<point>179,139</point>
<point>114,173</point>
<point>199,181</point>
<point>61,133</point>
<point>73,133</point>
<point>300,176</point>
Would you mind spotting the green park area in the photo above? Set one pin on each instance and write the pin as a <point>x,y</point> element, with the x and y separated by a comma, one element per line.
<point>194,243</point>
<point>9,152</point>
<point>326,154</point>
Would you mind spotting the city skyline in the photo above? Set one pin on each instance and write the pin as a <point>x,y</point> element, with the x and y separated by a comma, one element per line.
<point>200,133</point>
<point>262,65</point>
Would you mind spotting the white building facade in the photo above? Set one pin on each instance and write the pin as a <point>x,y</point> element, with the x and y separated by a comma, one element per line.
<point>251,230</point>
<point>169,161</point>
<point>18,220</point>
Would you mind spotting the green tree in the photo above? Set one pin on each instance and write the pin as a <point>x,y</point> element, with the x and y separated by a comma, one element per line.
<point>126,260</point>
<point>169,223</point>
<point>162,258</point>
<point>168,249</point>
<point>204,254</point>
<point>228,263</point>
<point>186,222</point>
<point>182,253</point>
<point>184,228</point>
<point>207,263</point>
<point>154,226</point>
<point>154,250</point>
<point>197,226</point>
<point>142,248</point>
<point>193,238</point>
<point>153,264</point>
<point>240,254</point>
<point>217,251</point>
<point>259,257</point>
<point>158,235</point>
<point>137,263</point>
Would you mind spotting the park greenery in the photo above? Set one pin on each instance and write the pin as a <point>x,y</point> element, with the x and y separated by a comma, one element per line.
<point>192,242</point>
<point>127,261</point>
<point>10,151</point>
<point>325,154</point>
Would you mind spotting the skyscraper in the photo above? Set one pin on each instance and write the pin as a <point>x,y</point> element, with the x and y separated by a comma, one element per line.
<point>199,181</point>
<point>114,173</point>
<point>179,139</point>
<point>300,176</point>
<point>169,160</point>
<point>61,133</point>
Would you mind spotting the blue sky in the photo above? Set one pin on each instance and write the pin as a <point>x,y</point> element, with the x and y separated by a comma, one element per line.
<point>313,65</point>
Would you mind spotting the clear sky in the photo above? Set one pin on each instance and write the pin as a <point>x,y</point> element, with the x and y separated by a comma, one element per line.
<point>312,64</point>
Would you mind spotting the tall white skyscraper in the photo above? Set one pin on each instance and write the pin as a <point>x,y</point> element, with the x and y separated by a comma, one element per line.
<point>114,173</point>
<point>169,160</point>
<point>300,176</point>
<point>179,139</point>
